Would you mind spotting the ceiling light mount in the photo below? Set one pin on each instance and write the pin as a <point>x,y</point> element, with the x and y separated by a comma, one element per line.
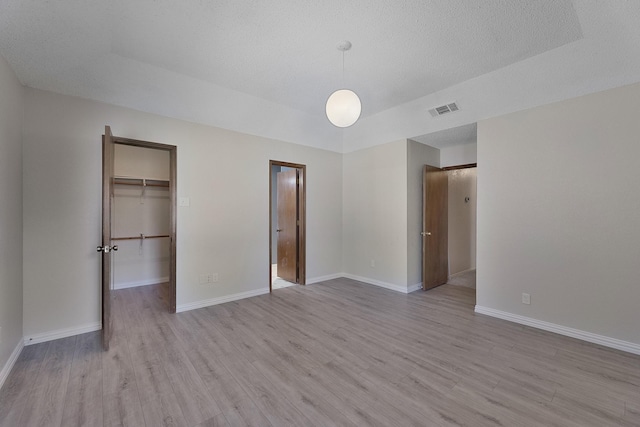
<point>343,106</point>
<point>344,46</point>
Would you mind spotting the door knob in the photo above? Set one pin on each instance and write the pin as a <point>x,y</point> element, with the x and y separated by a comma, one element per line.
<point>114,247</point>
<point>278,230</point>
<point>107,249</point>
<point>426,233</point>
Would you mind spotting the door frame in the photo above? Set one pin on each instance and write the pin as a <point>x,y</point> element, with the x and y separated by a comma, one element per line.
<point>105,245</point>
<point>173,173</point>
<point>302,213</point>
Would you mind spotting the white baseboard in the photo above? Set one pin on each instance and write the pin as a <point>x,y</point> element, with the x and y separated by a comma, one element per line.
<point>61,333</point>
<point>6,369</point>
<point>414,288</point>
<point>391,286</point>
<point>461,272</point>
<point>145,282</point>
<point>319,279</point>
<point>367,280</point>
<point>220,300</point>
<point>228,298</point>
<point>562,330</point>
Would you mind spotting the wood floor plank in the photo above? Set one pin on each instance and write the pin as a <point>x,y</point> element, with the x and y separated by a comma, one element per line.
<point>338,353</point>
<point>311,401</point>
<point>217,421</point>
<point>45,403</point>
<point>244,413</point>
<point>121,401</point>
<point>632,412</point>
<point>20,382</point>
<point>187,387</point>
<point>83,401</point>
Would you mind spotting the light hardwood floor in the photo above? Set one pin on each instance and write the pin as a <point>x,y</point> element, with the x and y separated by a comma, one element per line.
<point>339,353</point>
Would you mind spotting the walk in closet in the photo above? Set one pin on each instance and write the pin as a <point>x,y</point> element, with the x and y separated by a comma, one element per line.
<point>141,216</point>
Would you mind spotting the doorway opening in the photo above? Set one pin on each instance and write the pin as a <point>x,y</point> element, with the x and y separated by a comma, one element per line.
<point>462,224</point>
<point>287,224</point>
<point>449,226</point>
<point>138,226</point>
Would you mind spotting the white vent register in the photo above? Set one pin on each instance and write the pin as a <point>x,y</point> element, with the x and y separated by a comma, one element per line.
<point>444,109</point>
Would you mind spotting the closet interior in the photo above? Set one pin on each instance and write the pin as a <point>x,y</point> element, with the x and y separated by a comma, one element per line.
<point>141,216</point>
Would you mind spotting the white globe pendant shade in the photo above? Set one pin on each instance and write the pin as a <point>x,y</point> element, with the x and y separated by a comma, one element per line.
<point>343,108</point>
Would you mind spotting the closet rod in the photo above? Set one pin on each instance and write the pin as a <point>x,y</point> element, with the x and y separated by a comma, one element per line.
<point>166,185</point>
<point>140,237</point>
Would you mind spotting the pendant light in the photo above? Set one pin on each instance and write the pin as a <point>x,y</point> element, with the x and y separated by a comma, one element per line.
<point>343,106</point>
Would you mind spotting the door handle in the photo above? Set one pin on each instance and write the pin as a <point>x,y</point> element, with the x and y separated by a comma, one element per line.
<point>107,249</point>
<point>278,230</point>
<point>425,233</point>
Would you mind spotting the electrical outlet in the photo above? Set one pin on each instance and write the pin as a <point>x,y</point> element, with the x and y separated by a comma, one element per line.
<point>205,279</point>
<point>526,299</point>
<point>373,263</point>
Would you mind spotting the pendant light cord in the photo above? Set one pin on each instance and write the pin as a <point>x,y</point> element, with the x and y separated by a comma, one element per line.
<point>343,83</point>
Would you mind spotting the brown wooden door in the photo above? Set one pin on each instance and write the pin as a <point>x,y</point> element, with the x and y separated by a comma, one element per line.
<point>435,257</point>
<point>105,249</point>
<point>288,225</point>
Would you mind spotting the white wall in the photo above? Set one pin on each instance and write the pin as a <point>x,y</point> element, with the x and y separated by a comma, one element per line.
<point>418,155</point>
<point>375,214</point>
<point>457,155</point>
<point>225,230</point>
<point>11,112</point>
<point>462,220</point>
<point>140,262</point>
<point>558,213</point>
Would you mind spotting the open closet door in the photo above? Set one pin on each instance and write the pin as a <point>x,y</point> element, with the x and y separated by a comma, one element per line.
<point>106,248</point>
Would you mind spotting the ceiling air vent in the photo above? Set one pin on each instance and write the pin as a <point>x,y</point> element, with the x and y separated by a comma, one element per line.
<point>443,109</point>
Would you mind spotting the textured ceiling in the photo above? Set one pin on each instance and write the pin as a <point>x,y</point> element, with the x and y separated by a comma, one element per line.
<point>267,68</point>
<point>281,51</point>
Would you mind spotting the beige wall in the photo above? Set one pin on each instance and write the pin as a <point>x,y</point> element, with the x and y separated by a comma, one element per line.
<point>558,213</point>
<point>225,230</point>
<point>418,155</point>
<point>462,220</point>
<point>375,214</point>
<point>382,192</point>
<point>11,112</point>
